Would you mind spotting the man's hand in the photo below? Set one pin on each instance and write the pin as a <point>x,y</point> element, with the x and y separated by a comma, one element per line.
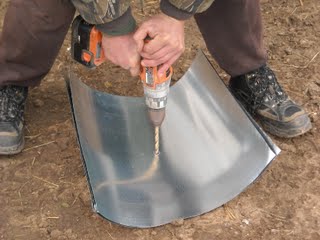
<point>167,42</point>
<point>122,51</point>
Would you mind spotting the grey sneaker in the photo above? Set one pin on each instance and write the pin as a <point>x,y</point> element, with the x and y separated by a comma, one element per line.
<point>12,102</point>
<point>261,94</point>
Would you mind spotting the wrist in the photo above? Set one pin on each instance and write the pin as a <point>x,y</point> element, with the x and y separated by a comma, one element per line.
<point>172,11</point>
<point>172,19</point>
<point>122,25</point>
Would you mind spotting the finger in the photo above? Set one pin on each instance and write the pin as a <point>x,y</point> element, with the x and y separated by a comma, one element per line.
<point>159,54</point>
<point>154,45</point>
<point>157,62</point>
<point>167,64</point>
<point>139,36</point>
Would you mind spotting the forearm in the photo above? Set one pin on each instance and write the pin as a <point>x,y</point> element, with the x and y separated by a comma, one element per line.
<point>112,17</point>
<point>184,9</point>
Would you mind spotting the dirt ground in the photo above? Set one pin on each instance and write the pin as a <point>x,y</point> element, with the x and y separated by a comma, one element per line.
<point>44,193</point>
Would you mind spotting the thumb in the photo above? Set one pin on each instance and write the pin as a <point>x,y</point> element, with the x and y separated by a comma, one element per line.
<point>135,65</point>
<point>140,35</point>
<point>134,71</point>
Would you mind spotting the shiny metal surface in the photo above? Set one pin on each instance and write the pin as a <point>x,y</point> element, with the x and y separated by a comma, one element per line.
<point>210,150</point>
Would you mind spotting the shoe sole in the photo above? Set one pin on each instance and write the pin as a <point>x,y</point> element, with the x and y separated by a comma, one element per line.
<point>13,149</point>
<point>294,128</point>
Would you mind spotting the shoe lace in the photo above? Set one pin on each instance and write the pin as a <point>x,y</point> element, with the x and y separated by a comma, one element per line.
<point>12,103</point>
<point>265,88</point>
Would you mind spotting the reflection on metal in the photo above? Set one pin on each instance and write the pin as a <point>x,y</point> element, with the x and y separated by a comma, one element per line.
<point>210,150</point>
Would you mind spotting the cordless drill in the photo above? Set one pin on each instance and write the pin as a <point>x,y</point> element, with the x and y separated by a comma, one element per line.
<point>86,48</point>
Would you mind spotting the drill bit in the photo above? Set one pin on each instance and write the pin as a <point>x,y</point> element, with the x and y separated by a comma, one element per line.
<point>156,141</point>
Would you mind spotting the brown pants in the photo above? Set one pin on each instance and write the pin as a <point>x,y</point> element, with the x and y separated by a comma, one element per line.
<point>232,30</point>
<point>34,30</point>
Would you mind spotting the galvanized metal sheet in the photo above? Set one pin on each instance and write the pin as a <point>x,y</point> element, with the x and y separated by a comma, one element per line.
<point>210,150</point>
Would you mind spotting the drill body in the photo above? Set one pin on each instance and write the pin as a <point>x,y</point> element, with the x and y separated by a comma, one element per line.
<point>156,90</point>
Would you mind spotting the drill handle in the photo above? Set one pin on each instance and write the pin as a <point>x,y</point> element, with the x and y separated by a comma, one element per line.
<point>149,75</point>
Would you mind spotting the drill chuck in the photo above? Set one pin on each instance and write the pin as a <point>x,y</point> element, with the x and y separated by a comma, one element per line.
<point>156,98</point>
<point>156,116</point>
<point>156,101</point>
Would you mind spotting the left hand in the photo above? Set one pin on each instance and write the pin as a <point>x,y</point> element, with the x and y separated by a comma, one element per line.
<point>167,42</point>
<point>122,51</point>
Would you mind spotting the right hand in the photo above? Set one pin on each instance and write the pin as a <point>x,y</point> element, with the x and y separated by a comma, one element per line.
<point>122,51</point>
<point>167,42</point>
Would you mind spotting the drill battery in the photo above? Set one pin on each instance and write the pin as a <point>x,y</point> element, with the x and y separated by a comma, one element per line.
<point>86,43</point>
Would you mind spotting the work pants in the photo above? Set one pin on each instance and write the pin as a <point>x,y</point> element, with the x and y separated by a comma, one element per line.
<point>232,30</point>
<point>32,34</point>
<point>34,30</point>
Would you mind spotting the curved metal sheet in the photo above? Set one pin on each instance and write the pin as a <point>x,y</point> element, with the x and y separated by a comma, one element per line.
<point>210,150</point>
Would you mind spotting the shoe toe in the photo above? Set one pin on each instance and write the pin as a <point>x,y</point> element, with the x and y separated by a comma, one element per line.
<point>11,138</point>
<point>287,129</point>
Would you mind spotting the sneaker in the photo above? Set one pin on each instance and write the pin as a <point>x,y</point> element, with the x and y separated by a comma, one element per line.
<point>12,101</point>
<point>263,97</point>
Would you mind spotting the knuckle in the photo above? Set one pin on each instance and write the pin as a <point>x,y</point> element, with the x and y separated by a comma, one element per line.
<point>166,38</point>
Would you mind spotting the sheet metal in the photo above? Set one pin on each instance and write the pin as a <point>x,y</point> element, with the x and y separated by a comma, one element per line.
<point>211,150</point>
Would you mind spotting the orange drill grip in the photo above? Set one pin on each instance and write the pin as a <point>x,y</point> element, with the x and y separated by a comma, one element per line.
<point>152,72</point>
<point>149,75</point>
<point>95,47</point>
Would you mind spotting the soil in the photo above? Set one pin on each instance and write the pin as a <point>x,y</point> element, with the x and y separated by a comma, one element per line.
<point>44,193</point>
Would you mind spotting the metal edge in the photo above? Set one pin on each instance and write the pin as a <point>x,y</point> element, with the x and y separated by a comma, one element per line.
<point>276,150</point>
<point>68,75</point>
